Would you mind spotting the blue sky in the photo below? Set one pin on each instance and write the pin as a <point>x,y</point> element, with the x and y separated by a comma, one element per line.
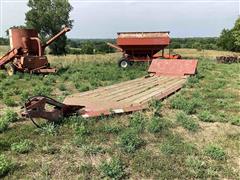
<point>103,18</point>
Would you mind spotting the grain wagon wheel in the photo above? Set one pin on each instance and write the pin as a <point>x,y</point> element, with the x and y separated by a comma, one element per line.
<point>10,69</point>
<point>123,63</point>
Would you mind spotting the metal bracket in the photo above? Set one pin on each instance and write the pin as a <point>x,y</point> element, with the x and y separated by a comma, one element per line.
<point>48,108</point>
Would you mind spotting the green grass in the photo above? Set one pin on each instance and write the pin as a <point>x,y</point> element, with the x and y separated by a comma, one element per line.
<point>190,106</point>
<point>5,165</point>
<point>215,152</point>
<point>173,144</point>
<point>6,118</point>
<point>22,147</point>
<point>111,129</point>
<point>137,122</point>
<point>142,145</point>
<point>113,169</point>
<point>92,149</point>
<point>187,122</point>
<point>199,168</point>
<point>4,123</point>
<point>10,115</point>
<point>130,141</point>
<point>205,116</point>
<point>9,101</point>
<point>158,125</point>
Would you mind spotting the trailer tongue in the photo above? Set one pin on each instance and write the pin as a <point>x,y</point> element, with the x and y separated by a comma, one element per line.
<point>165,77</point>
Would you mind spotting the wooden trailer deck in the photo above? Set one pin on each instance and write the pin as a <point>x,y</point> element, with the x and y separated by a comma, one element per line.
<point>127,96</point>
<point>165,77</point>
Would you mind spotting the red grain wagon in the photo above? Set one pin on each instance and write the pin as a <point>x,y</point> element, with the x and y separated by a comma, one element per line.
<point>142,47</point>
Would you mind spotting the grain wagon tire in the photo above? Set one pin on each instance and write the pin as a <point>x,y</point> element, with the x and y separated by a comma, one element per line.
<point>123,63</point>
<point>10,69</point>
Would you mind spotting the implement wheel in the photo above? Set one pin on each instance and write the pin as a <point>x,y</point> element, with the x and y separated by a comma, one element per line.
<point>123,63</point>
<point>10,69</point>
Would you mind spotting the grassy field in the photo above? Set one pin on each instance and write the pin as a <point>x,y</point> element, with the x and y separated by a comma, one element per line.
<point>194,134</point>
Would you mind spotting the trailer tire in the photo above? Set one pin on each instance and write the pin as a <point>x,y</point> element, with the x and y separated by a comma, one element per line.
<point>123,63</point>
<point>10,69</point>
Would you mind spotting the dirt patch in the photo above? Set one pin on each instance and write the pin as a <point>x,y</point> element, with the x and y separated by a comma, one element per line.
<point>209,132</point>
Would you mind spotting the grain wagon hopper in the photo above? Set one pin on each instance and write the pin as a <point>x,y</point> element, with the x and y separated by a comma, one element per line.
<point>165,77</point>
<point>27,52</point>
<point>142,47</point>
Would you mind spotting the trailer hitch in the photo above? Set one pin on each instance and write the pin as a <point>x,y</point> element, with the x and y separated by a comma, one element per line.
<point>48,108</point>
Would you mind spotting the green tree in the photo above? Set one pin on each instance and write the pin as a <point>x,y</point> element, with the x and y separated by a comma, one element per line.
<point>230,38</point>
<point>236,32</point>
<point>48,17</point>
<point>4,41</point>
<point>226,40</point>
<point>87,48</point>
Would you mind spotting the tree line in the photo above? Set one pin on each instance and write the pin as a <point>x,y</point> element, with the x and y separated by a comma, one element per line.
<point>99,46</point>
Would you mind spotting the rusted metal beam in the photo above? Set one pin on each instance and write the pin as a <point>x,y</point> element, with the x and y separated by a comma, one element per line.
<point>115,46</point>
<point>8,57</point>
<point>54,38</point>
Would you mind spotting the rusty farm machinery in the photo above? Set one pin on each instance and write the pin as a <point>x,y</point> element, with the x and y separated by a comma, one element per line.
<point>27,52</point>
<point>142,47</point>
<point>167,74</point>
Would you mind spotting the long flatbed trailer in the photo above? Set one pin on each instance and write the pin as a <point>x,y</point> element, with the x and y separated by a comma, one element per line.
<point>165,77</point>
<point>127,96</point>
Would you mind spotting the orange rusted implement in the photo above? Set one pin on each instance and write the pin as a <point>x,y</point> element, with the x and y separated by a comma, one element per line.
<point>123,97</point>
<point>27,52</point>
<point>142,47</point>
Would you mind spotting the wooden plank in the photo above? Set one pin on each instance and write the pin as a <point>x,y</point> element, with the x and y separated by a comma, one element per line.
<point>133,88</point>
<point>152,90</point>
<point>165,93</point>
<point>105,99</point>
<point>133,92</point>
<point>101,89</point>
<point>119,88</point>
<point>159,91</point>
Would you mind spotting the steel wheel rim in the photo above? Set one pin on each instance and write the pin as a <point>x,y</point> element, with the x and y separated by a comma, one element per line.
<point>124,64</point>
